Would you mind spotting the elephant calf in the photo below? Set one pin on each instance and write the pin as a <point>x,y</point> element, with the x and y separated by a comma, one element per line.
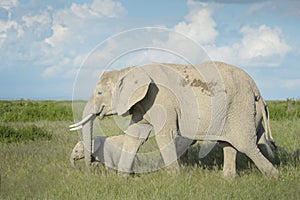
<point>105,149</point>
<point>108,149</point>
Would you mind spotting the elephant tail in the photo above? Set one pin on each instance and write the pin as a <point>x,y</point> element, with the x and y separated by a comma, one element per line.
<point>266,121</point>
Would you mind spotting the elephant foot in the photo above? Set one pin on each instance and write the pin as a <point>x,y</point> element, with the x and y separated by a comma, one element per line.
<point>262,163</point>
<point>228,174</point>
<point>273,173</point>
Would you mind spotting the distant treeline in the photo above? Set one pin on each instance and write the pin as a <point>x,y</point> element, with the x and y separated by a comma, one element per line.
<point>30,111</point>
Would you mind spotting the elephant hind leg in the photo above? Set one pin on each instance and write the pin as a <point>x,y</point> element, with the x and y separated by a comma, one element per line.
<point>229,165</point>
<point>261,162</point>
<point>242,131</point>
<point>245,140</point>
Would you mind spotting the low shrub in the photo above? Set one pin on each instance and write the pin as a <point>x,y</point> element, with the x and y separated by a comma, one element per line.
<point>10,134</point>
<point>29,111</point>
<point>284,110</point>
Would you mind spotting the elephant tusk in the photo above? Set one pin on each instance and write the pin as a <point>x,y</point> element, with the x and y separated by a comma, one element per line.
<point>83,121</point>
<point>76,128</point>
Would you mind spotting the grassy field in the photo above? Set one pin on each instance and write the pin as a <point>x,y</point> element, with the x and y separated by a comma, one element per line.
<point>35,149</point>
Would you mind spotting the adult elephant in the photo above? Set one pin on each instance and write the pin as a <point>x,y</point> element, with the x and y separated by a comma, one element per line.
<point>212,101</point>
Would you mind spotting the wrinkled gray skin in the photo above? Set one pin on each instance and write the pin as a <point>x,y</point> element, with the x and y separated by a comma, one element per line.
<point>120,92</point>
<point>265,141</point>
<point>107,150</point>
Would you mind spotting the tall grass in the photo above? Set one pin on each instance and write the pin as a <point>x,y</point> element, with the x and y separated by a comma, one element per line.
<point>40,169</point>
<point>29,111</point>
<point>284,110</point>
<point>10,134</point>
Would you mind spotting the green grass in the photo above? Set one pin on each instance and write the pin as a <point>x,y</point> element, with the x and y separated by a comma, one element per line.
<point>10,134</point>
<point>40,169</point>
<point>29,111</point>
<point>284,110</point>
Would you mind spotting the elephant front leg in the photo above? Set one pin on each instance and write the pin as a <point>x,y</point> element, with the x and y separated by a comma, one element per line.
<point>166,143</point>
<point>135,136</point>
<point>130,148</point>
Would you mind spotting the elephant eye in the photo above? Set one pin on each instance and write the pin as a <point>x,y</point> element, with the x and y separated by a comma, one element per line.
<point>99,92</point>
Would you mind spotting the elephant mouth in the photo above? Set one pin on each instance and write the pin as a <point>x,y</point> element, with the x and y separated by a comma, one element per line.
<point>100,114</point>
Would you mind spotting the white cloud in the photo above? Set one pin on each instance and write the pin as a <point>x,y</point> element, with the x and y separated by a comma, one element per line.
<point>9,27</point>
<point>262,42</point>
<point>198,24</point>
<point>255,7</point>
<point>60,34</point>
<point>73,26</point>
<point>41,19</point>
<point>38,26</point>
<point>64,68</point>
<point>259,46</point>
<point>8,4</point>
<point>98,8</point>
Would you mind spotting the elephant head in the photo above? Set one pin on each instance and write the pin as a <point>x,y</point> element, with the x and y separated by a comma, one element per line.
<point>77,153</point>
<point>115,93</point>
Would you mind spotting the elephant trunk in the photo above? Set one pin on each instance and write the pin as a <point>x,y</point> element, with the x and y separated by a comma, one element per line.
<point>87,133</point>
<point>86,124</point>
<point>72,160</point>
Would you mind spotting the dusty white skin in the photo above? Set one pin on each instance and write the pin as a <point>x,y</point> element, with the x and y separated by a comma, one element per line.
<point>176,100</point>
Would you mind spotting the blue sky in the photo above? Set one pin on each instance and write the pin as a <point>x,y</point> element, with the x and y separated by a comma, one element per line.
<point>44,43</point>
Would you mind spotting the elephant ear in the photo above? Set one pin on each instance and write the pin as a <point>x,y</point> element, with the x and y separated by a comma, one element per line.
<point>130,89</point>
